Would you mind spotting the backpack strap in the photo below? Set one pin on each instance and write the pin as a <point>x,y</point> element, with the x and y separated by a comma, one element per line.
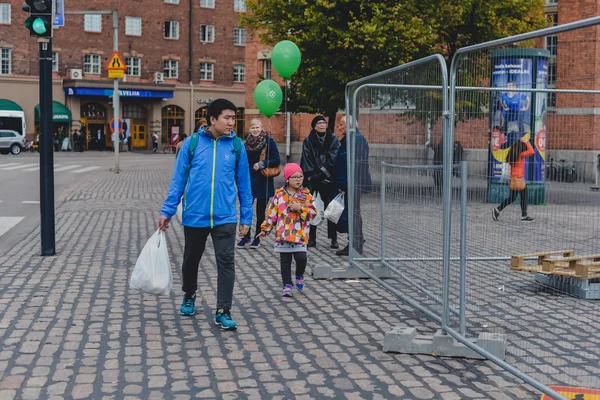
<point>191,151</point>
<point>237,148</point>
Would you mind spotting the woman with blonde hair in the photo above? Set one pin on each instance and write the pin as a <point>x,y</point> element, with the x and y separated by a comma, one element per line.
<point>262,153</point>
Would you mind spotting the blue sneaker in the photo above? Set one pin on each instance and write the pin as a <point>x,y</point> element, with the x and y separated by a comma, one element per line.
<point>300,282</point>
<point>223,320</point>
<point>242,243</point>
<point>187,306</point>
<point>287,291</point>
<point>255,244</point>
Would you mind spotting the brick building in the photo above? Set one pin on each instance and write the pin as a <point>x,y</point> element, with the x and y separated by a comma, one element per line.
<point>179,54</point>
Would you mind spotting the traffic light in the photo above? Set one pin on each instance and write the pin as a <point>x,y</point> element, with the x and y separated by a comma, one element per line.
<point>40,17</point>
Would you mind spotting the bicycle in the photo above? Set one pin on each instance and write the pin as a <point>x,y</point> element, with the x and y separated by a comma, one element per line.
<point>169,148</point>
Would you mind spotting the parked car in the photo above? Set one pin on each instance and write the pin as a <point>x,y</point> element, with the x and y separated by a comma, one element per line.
<point>12,142</point>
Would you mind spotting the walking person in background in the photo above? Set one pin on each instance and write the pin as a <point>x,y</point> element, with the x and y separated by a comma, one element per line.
<point>289,213</point>
<point>319,152</point>
<point>210,173</point>
<point>262,154</point>
<point>362,184</point>
<point>154,142</point>
<point>518,186</point>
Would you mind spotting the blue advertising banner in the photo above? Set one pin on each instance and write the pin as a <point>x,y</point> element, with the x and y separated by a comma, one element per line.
<point>156,94</point>
<point>59,13</point>
<point>541,107</point>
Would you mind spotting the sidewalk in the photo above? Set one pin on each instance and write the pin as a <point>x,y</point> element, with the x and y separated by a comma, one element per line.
<point>71,328</point>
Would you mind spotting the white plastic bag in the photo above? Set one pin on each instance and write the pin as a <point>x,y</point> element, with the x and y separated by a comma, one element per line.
<point>505,177</point>
<point>152,271</point>
<point>320,206</point>
<point>335,209</point>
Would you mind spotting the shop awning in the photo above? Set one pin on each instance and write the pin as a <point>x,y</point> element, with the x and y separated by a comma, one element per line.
<point>60,113</point>
<point>8,105</point>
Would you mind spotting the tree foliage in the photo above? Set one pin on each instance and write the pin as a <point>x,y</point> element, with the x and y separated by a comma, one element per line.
<point>343,40</point>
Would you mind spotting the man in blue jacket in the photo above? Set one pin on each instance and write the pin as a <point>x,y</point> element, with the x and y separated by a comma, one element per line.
<point>208,187</point>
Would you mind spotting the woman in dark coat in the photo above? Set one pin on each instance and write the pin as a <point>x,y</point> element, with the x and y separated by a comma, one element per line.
<point>319,152</point>
<point>263,187</point>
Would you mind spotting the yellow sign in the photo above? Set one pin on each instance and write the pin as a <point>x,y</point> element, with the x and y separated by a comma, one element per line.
<point>116,74</point>
<point>116,63</point>
<point>573,393</point>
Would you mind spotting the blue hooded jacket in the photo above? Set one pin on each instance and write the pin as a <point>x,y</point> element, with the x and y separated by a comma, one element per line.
<point>209,195</point>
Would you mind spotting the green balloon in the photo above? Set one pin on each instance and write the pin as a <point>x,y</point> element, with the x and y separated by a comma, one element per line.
<point>268,97</point>
<point>285,58</point>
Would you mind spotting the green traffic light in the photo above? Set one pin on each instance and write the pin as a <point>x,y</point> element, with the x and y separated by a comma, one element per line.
<point>39,26</point>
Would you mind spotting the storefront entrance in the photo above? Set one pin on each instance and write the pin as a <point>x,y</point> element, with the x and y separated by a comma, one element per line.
<point>94,125</point>
<point>135,117</point>
<point>173,123</point>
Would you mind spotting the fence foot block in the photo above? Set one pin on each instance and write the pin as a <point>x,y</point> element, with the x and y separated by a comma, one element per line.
<point>406,341</point>
<point>326,271</point>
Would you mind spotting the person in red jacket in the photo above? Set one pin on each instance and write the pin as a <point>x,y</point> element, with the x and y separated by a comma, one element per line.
<point>516,158</point>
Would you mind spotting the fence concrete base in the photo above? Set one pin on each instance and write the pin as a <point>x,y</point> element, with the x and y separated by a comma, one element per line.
<point>326,271</point>
<point>406,341</point>
<point>588,289</point>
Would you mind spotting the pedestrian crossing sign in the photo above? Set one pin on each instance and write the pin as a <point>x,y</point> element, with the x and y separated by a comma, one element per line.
<point>573,393</point>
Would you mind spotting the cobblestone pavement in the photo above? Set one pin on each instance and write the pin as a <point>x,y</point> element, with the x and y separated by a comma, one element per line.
<point>70,327</point>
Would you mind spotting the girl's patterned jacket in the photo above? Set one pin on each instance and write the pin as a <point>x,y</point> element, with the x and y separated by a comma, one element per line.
<point>290,226</point>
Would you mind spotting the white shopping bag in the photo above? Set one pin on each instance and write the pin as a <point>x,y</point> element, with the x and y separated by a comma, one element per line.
<point>320,206</point>
<point>505,177</point>
<point>335,209</point>
<point>152,271</point>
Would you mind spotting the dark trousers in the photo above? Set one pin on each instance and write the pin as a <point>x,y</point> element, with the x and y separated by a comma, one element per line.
<point>358,240</point>
<point>223,237</point>
<point>261,208</point>
<point>327,193</point>
<point>286,265</point>
<point>513,197</point>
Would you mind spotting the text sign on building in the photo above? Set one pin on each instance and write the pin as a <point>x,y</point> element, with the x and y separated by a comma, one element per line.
<point>574,393</point>
<point>59,13</point>
<point>116,67</point>
<point>155,94</point>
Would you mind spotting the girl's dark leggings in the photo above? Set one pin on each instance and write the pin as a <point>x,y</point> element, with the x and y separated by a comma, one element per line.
<point>513,197</point>
<point>286,265</point>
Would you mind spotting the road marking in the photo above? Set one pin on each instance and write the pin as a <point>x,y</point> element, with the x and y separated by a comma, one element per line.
<point>8,222</point>
<point>8,165</point>
<point>31,202</point>
<point>66,168</point>
<point>88,169</point>
<point>18,166</point>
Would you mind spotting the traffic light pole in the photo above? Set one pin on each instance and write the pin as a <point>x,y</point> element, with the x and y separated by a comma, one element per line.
<point>46,149</point>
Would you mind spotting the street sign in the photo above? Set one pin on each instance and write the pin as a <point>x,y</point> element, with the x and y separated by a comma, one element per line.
<point>116,67</point>
<point>112,125</point>
<point>59,13</point>
<point>575,393</point>
<point>116,74</point>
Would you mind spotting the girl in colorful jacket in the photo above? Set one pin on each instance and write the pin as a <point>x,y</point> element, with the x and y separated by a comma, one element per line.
<point>290,212</point>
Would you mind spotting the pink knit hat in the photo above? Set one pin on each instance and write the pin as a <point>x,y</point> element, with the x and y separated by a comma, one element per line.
<point>290,169</point>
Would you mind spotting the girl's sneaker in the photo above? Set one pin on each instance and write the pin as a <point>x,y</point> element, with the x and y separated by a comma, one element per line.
<point>300,282</point>
<point>287,291</point>
<point>255,244</point>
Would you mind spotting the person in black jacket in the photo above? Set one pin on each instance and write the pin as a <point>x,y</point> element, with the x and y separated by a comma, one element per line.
<point>263,187</point>
<point>319,152</point>
<point>362,184</point>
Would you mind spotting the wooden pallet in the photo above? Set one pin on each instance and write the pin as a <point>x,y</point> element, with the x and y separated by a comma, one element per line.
<point>517,263</point>
<point>585,267</point>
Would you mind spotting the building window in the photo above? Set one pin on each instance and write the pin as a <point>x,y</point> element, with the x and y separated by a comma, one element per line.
<point>92,23</point>
<point>207,71</point>
<point>133,65</point>
<point>267,69</point>
<point>5,13</point>
<point>239,73</point>
<point>239,5</point>
<point>171,69</point>
<point>239,36</point>
<point>133,26</point>
<point>91,64</point>
<point>54,61</point>
<point>207,33</point>
<point>171,30</point>
<point>5,62</point>
<point>207,3</point>
<point>551,2</point>
<point>172,1</point>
